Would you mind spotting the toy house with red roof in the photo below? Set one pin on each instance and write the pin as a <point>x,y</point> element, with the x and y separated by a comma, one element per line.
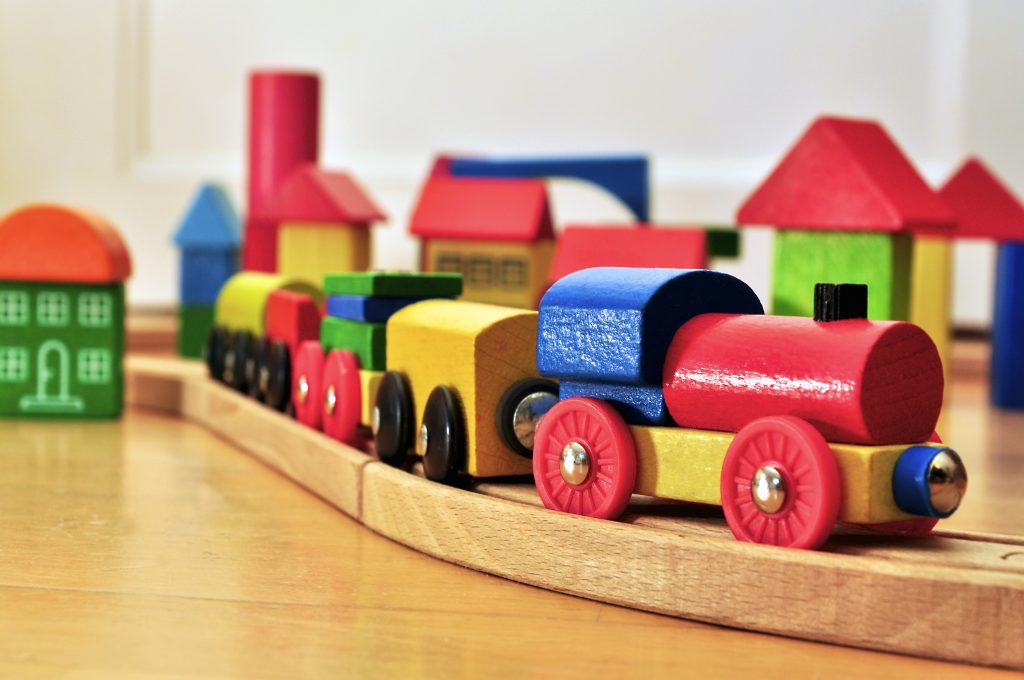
<point>324,219</point>
<point>496,232</point>
<point>62,274</point>
<point>987,209</point>
<point>845,201</point>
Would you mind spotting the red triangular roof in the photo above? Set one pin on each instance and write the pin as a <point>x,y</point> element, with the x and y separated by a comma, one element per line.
<point>984,206</point>
<point>57,243</point>
<point>581,247</point>
<point>483,209</point>
<point>846,174</point>
<point>310,194</point>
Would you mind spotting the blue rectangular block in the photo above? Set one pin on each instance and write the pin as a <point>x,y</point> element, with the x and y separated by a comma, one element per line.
<point>203,274</point>
<point>637,404</point>
<point>1007,373</point>
<point>366,307</point>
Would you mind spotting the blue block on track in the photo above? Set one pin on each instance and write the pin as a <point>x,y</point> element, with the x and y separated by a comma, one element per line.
<point>614,324</point>
<point>1007,372</point>
<point>367,308</point>
<point>204,273</point>
<point>637,404</point>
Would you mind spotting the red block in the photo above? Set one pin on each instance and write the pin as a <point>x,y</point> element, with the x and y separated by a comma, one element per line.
<point>856,381</point>
<point>482,209</point>
<point>292,318</point>
<point>984,206</point>
<point>284,125</point>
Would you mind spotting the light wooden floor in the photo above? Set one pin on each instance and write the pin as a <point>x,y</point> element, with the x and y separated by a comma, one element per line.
<point>150,547</point>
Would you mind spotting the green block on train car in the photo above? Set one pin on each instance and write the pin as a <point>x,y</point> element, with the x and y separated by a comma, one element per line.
<point>365,340</point>
<point>394,284</point>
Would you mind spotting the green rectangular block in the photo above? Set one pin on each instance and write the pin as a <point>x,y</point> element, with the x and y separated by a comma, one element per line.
<point>194,323</point>
<point>366,340</point>
<point>804,258</point>
<point>394,284</point>
<point>61,350</point>
<point>722,241</point>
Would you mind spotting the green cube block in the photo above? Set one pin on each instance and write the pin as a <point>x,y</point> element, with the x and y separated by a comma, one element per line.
<point>366,340</point>
<point>804,258</point>
<point>61,350</point>
<point>722,241</point>
<point>194,323</point>
<point>394,284</point>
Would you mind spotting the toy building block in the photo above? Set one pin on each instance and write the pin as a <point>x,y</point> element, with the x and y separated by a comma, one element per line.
<point>284,129</point>
<point>365,340</point>
<point>722,241</point>
<point>292,318</point>
<point>367,308</point>
<point>640,404</point>
<point>324,219</point>
<point>623,176</point>
<point>62,274</point>
<point>394,284</point>
<point>242,302</point>
<point>194,324</point>
<point>843,181</point>
<point>931,289</point>
<point>987,209</point>
<point>496,232</point>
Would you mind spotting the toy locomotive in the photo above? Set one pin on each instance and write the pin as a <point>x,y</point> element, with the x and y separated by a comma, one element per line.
<point>671,383</point>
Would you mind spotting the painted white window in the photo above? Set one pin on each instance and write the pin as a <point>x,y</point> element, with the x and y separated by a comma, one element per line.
<point>94,310</point>
<point>52,309</point>
<point>13,364</point>
<point>94,366</point>
<point>13,308</point>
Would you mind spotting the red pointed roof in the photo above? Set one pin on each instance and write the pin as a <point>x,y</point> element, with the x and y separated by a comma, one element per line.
<point>311,194</point>
<point>58,243</point>
<point>581,247</point>
<point>483,209</point>
<point>846,174</point>
<point>984,206</point>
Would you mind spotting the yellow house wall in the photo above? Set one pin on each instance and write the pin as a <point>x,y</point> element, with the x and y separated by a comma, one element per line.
<point>485,279</point>
<point>310,251</point>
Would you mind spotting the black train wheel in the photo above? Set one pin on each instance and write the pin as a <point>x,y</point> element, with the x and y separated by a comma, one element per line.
<point>520,410</point>
<point>277,376</point>
<point>256,368</point>
<point>236,359</point>
<point>392,420</point>
<point>215,350</point>
<point>441,439</point>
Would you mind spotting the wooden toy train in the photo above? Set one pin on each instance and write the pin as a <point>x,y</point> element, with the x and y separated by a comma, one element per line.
<point>670,383</point>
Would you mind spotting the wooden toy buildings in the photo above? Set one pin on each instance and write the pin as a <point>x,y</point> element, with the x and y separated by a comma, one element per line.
<point>208,240</point>
<point>845,201</point>
<point>987,209</point>
<point>62,274</point>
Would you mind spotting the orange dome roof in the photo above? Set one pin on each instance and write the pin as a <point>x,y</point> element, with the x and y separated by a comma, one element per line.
<point>57,243</point>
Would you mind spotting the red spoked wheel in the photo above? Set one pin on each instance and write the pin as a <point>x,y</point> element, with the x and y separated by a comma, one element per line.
<point>306,394</point>
<point>584,459</point>
<point>342,397</point>
<point>780,484</point>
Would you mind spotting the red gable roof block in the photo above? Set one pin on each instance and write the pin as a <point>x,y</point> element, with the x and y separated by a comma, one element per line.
<point>846,174</point>
<point>483,209</point>
<point>984,206</point>
<point>585,247</point>
<point>310,194</point>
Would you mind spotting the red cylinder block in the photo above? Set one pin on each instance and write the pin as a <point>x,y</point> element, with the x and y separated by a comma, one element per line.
<point>856,381</point>
<point>284,132</point>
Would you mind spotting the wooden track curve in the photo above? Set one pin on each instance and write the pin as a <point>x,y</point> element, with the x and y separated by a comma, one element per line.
<point>958,597</point>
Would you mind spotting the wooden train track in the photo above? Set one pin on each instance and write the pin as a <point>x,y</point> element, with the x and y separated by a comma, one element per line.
<point>958,597</point>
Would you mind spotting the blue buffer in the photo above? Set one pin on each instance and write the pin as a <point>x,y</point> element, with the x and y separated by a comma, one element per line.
<point>367,308</point>
<point>614,324</point>
<point>623,176</point>
<point>637,404</point>
<point>1007,371</point>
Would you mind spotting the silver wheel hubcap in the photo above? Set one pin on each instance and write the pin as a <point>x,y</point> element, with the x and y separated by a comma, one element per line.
<point>330,400</point>
<point>768,489</point>
<point>575,465</point>
<point>422,440</point>
<point>303,394</point>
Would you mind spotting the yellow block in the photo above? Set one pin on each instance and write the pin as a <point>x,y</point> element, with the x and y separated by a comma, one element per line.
<point>497,272</point>
<point>312,250</point>
<point>931,290</point>
<point>243,299</point>
<point>369,381</point>
<point>476,350</point>
<point>686,465</point>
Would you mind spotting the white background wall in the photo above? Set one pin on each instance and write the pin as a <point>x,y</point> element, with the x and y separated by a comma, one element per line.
<point>124,105</point>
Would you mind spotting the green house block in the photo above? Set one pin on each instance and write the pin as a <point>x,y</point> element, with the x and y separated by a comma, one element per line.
<point>366,340</point>
<point>61,349</point>
<point>394,284</point>
<point>194,323</point>
<point>722,241</point>
<point>804,258</point>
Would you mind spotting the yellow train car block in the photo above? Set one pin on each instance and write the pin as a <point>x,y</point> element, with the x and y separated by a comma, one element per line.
<point>931,291</point>
<point>369,381</point>
<point>686,465</point>
<point>496,272</point>
<point>310,251</point>
<point>476,350</point>
<point>243,299</point>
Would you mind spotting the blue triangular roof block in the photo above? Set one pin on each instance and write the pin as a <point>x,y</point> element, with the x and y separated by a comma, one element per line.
<point>210,221</point>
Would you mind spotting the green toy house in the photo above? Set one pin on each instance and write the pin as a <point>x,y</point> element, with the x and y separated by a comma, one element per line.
<point>62,274</point>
